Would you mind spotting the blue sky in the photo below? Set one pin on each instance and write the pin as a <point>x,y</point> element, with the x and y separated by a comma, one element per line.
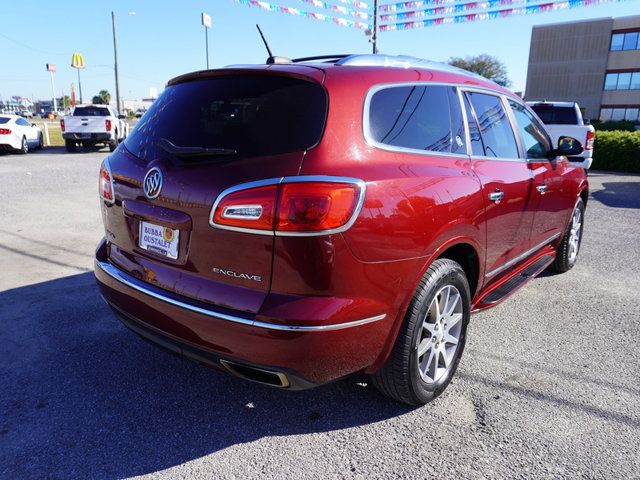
<point>165,39</point>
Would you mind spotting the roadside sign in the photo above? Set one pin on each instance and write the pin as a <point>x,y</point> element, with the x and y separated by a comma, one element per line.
<point>77,61</point>
<point>206,20</point>
<point>51,67</point>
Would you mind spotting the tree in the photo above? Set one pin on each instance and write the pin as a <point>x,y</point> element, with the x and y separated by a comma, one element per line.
<point>484,65</point>
<point>65,102</point>
<point>103,98</point>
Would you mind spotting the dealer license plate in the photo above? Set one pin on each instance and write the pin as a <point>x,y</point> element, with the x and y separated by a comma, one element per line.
<point>159,240</point>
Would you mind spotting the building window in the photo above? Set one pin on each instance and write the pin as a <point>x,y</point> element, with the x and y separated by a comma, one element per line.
<point>625,41</point>
<point>622,81</point>
<point>630,114</point>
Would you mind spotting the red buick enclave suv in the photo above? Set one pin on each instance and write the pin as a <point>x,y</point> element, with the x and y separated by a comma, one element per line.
<point>297,222</point>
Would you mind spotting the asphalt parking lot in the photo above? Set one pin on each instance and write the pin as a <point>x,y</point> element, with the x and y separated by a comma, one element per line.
<point>548,386</point>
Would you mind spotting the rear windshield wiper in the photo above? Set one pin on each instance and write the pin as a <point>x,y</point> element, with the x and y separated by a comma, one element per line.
<point>179,151</point>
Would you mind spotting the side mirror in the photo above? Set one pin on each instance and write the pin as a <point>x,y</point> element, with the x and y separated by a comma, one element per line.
<point>122,117</point>
<point>567,146</point>
<point>33,124</point>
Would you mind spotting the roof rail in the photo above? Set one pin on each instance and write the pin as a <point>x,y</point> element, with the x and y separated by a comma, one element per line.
<point>402,61</point>
<point>331,58</point>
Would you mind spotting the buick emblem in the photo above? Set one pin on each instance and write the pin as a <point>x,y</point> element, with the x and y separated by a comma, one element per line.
<point>152,183</point>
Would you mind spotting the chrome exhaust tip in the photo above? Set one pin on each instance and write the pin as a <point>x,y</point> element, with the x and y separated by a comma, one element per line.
<point>259,375</point>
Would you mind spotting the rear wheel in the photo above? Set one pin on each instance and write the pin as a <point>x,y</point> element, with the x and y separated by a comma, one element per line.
<point>432,337</point>
<point>113,145</point>
<point>70,145</point>
<point>567,251</point>
<point>24,146</point>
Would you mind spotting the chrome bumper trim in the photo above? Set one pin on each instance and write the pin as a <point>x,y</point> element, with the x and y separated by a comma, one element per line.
<point>139,286</point>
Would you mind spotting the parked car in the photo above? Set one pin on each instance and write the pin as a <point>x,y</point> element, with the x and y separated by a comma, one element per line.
<point>25,114</point>
<point>16,134</point>
<point>90,125</point>
<point>565,118</point>
<point>296,223</point>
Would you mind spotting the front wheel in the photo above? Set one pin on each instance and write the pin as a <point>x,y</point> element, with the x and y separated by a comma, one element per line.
<point>70,145</point>
<point>431,340</point>
<point>567,251</point>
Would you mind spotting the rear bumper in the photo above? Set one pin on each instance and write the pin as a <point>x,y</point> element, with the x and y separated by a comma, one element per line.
<point>307,355</point>
<point>87,137</point>
<point>584,162</point>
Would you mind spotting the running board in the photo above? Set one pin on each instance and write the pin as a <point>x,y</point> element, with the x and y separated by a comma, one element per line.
<point>507,287</point>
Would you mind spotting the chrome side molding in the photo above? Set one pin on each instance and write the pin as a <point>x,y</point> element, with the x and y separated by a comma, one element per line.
<point>522,256</point>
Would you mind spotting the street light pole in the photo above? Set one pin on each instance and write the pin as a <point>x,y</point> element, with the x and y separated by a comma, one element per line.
<point>206,23</point>
<point>115,56</point>
<point>374,34</point>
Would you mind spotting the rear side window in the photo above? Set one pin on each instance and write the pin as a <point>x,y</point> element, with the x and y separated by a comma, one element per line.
<point>255,115</point>
<point>556,115</point>
<point>495,129</point>
<point>90,112</point>
<point>22,122</point>
<point>418,117</point>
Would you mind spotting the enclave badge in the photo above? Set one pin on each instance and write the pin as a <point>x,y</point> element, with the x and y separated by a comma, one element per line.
<point>231,273</point>
<point>152,184</point>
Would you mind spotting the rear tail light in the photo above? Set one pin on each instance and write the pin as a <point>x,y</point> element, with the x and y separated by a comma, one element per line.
<point>105,183</point>
<point>291,206</point>
<point>62,125</point>
<point>108,124</point>
<point>591,136</point>
<point>5,131</point>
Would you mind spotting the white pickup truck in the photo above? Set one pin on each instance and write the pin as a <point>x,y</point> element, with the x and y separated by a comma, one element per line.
<point>89,125</point>
<point>564,119</point>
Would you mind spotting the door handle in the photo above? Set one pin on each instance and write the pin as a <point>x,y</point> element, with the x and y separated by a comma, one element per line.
<point>542,189</point>
<point>496,196</point>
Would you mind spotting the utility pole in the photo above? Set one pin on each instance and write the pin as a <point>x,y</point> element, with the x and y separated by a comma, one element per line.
<point>374,34</point>
<point>115,56</point>
<point>206,23</point>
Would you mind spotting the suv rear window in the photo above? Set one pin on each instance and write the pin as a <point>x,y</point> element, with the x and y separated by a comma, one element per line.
<point>254,115</point>
<point>91,112</point>
<point>4,120</point>
<point>556,115</point>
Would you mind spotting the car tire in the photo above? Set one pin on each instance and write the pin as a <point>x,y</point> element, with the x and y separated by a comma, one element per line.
<point>411,374</point>
<point>40,142</point>
<point>70,146</point>
<point>567,251</point>
<point>24,147</point>
<point>113,145</point>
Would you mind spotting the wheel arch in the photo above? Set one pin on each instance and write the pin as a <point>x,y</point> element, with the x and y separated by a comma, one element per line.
<point>464,250</point>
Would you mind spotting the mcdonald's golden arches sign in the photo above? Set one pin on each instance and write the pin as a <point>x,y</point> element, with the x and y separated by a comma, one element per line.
<point>77,61</point>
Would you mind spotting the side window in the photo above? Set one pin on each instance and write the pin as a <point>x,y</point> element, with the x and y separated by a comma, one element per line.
<point>497,135</point>
<point>418,117</point>
<point>477,149</point>
<point>536,141</point>
<point>23,122</point>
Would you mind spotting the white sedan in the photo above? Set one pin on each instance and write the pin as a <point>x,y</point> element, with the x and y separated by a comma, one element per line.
<point>18,134</point>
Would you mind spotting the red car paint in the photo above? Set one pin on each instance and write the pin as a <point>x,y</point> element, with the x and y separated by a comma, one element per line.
<point>417,208</point>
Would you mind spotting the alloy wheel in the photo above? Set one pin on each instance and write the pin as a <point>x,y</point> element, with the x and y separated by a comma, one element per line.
<point>440,334</point>
<point>575,234</point>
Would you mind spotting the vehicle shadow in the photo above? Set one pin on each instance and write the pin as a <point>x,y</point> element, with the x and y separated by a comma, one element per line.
<point>83,397</point>
<point>619,194</point>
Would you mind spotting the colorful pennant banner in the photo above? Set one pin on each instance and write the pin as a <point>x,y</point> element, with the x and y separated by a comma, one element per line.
<point>302,13</point>
<point>356,3</point>
<point>457,8</point>
<point>500,13</point>
<point>337,8</point>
